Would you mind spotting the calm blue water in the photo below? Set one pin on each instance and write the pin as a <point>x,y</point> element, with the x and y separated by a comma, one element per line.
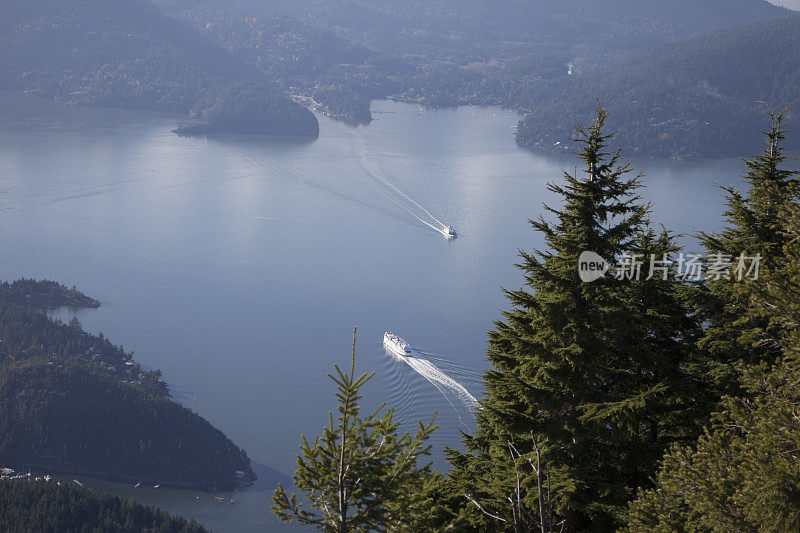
<point>239,266</point>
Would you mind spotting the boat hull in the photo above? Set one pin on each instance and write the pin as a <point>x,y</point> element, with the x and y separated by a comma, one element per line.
<point>396,345</point>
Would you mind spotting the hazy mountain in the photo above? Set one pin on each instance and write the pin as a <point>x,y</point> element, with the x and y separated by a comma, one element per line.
<point>655,63</point>
<point>447,24</point>
<point>698,96</point>
<point>120,53</point>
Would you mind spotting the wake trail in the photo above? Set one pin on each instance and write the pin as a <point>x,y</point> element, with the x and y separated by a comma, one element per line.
<point>442,381</point>
<point>290,176</point>
<point>409,205</point>
<point>436,224</point>
<point>333,192</point>
<point>403,206</point>
<point>412,213</point>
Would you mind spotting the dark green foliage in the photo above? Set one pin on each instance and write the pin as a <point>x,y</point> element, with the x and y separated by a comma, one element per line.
<point>45,294</point>
<point>253,109</point>
<point>72,401</point>
<point>72,418</point>
<point>49,507</point>
<point>360,475</point>
<point>744,473</point>
<point>26,333</point>
<point>593,374</point>
<point>754,225</point>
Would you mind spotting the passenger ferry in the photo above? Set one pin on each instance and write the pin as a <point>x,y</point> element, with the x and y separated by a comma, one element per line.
<point>396,344</point>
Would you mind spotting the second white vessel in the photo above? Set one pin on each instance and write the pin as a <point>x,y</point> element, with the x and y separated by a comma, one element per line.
<point>396,345</point>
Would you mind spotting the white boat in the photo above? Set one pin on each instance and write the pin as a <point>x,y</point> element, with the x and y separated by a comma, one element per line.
<point>449,232</point>
<point>396,345</point>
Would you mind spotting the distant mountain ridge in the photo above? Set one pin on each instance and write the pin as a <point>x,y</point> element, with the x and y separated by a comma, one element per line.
<point>551,59</point>
<point>695,97</point>
<point>127,53</point>
<point>379,23</point>
<point>111,53</point>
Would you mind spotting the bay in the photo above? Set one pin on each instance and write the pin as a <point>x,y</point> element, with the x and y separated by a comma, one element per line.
<point>239,265</point>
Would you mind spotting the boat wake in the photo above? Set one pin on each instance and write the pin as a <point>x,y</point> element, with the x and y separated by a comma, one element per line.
<point>443,382</point>
<point>400,198</point>
<point>375,182</point>
<point>452,390</point>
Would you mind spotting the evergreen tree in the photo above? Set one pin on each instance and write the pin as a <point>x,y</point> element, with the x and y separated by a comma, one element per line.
<point>753,227</point>
<point>744,473</point>
<point>588,382</point>
<point>360,475</point>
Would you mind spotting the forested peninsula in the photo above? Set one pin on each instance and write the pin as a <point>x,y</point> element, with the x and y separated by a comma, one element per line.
<point>73,402</point>
<point>250,109</point>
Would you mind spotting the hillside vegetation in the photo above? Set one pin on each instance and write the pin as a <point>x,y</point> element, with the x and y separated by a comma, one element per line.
<point>71,401</point>
<point>676,88</point>
<point>252,109</point>
<point>52,507</point>
<point>696,97</point>
<point>109,53</point>
<point>655,63</point>
<point>70,418</point>
<point>128,54</point>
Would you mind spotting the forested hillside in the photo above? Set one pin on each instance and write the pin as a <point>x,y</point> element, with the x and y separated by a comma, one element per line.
<point>664,79</point>
<point>73,418</point>
<point>696,97</point>
<point>546,58</point>
<point>128,54</point>
<point>300,58</point>
<point>26,333</point>
<point>253,109</point>
<point>72,401</point>
<point>52,507</point>
<point>441,28</point>
<point>109,53</point>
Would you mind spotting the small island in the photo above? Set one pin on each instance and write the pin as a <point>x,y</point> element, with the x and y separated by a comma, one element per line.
<point>254,110</point>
